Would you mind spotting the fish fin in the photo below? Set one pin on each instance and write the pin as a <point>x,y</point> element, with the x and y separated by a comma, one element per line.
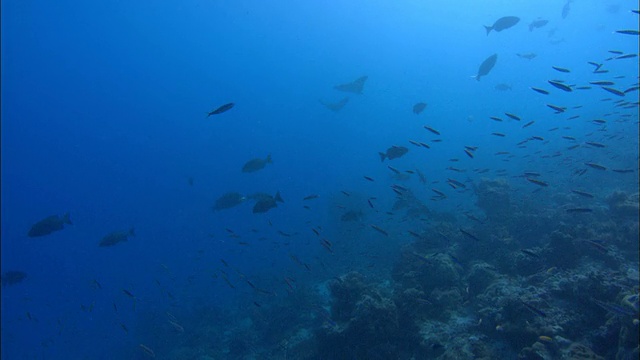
<point>67,219</point>
<point>278,197</point>
<point>269,159</point>
<point>132,231</point>
<point>488,29</point>
<point>382,156</point>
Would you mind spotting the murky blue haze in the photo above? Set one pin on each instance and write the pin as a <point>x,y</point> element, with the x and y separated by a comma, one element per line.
<point>104,116</point>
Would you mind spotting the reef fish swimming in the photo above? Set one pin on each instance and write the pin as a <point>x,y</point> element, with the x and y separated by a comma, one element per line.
<point>355,86</point>
<point>502,24</point>
<point>116,237</point>
<point>393,152</point>
<point>256,164</point>
<point>486,66</point>
<point>48,225</point>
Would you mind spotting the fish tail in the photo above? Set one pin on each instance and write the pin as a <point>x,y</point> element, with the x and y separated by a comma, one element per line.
<point>67,219</point>
<point>488,29</point>
<point>132,231</point>
<point>382,156</point>
<point>278,197</point>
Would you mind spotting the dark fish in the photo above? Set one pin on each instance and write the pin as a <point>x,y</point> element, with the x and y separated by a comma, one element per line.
<point>378,229</point>
<point>256,164</point>
<point>368,178</point>
<point>498,134</point>
<point>536,24</point>
<point>221,109</point>
<point>432,130</point>
<point>614,308</point>
<point>613,91</point>
<point>469,235</point>
<point>116,237</point>
<point>628,32</point>
<point>337,106</point>
<point>533,309</point>
<point>355,86</point>
<point>595,166</point>
<point>502,24</point>
<point>228,201</point>
<point>265,204</point>
<point>494,118</point>
<point>502,87</point>
<point>595,144</point>
<point>310,197</point>
<point>528,124</point>
<point>561,69</point>
<point>527,56</point>
<point>601,82</point>
<point>12,277</point>
<point>486,66</point>
<point>513,116</point>
<point>393,152</point>
<point>537,182</point>
<point>558,109</point>
<point>626,56</point>
<point>541,91</point>
<point>566,8</point>
<point>48,225</point>
<point>560,85</point>
<point>469,153</point>
<point>419,107</point>
<point>579,210</point>
<point>351,216</point>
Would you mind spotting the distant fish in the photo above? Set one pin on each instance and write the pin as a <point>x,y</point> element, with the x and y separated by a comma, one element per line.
<point>558,109</point>
<point>527,56</point>
<point>538,23</point>
<point>221,109</point>
<point>337,106</point>
<point>116,237</point>
<point>12,277</point>
<point>560,85</point>
<point>561,69</point>
<point>393,152</point>
<point>502,87</point>
<point>486,66</point>
<point>601,82</point>
<point>419,107</point>
<point>254,165</point>
<point>432,130</point>
<point>541,91</point>
<point>49,225</point>
<point>228,201</point>
<point>502,24</point>
<point>267,203</point>
<point>513,116</point>
<point>566,8</point>
<point>355,86</point>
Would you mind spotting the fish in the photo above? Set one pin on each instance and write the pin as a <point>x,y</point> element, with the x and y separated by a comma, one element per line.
<point>469,235</point>
<point>310,197</point>
<point>595,144</point>
<point>626,56</point>
<point>528,124</point>
<point>582,193</point>
<point>486,66</point>
<point>601,82</point>
<point>513,116</point>
<point>613,91</point>
<point>267,203</point>
<point>595,166</point>
<point>561,69</point>
<point>355,86</point>
<point>256,164</point>
<point>558,109</point>
<point>566,8</point>
<point>527,56</point>
<point>228,201</point>
<point>560,85</point>
<point>628,32</point>
<point>352,216</point>
<point>49,225</point>
<point>432,130</point>
<point>419,107</point>
<point>393,152</point>
<point>498,134</point>
<point>502,87</point>
<point>533,309</point>
<point>538,23</point>
<point>380,230</point>
<point>12,277</point>
<point>503,23</point>
<point>613,308</point>
<point>368,178</point>
<point>336,106</point>
<point>221,109</point>
<point>495,118</point>
<point>537,182</point>
<point>147,350</point>
<point>116,237</point>
<point>469,153</point>
<point>541,91</point>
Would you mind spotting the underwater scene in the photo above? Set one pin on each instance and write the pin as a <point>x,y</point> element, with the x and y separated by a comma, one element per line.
<point>411,179</point>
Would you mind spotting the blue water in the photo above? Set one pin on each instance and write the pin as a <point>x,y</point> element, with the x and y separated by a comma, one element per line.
<point>104,116</point>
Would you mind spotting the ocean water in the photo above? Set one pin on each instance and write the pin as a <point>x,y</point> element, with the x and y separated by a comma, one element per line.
<point>502,239</point>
